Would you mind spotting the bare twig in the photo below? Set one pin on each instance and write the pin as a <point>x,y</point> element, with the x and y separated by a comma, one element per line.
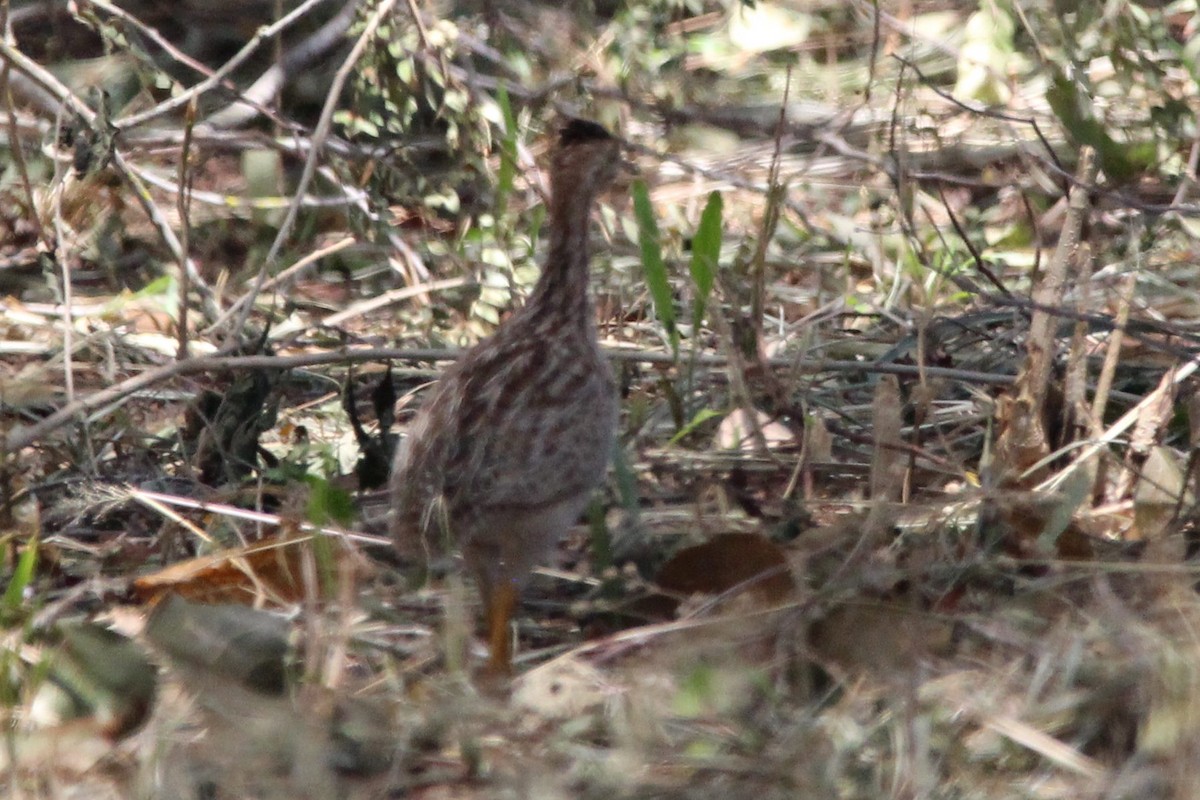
<point>1127,421</point>
<point>296,270</point>
<point>159,500</point>
<point>981,267</point>
<point>1189,173</point>
<point>348,197</point>
<point>1075,409</point>
<point>265,88</point>
<point>280,332</point>
<point>887,476</point>
<point>1049,291</point>
<point>183,199</point>
<point>1112,353</point>
<point>394,296</point>
<point>214,78</point>
<point>63,258</point>
<point>310,165</point>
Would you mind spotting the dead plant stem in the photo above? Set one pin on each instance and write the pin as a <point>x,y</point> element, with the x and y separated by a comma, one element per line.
<point>183,200</point>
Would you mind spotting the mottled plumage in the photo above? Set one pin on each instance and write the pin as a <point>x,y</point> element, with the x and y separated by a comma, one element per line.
<point>505,453</point>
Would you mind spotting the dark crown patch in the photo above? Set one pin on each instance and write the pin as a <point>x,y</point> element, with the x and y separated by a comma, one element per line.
<point>577,131</point>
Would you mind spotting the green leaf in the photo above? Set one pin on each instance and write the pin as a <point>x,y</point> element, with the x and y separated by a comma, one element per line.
<point>706,253</point>
<point>601,537</point>
<point>696,691</point>
<point>702,416</point>
<point>22,577</point>
<point>652,262</point>
<point>327,502</point>
<point>626,480</point>
<point>1120,162</point>
<point>508,155</point>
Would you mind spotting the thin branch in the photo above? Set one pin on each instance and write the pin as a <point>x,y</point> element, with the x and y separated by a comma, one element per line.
<point>23,436</point>
<point>233,512</point>
<point>394,296</point>
<point>980,266</point>
<point>296,270</point>
<point>265,89</point>
<point>310,165</point>
<point>214,78</point>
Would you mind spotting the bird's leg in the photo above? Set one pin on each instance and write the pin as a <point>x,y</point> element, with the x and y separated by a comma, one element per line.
<point>501,602</point>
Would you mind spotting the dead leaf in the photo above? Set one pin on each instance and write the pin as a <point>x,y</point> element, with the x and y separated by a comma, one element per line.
<point>746,563</point>
<point>1154,414</point>
<point>879,637</point>
<point>1159,495</point>
<point>270,571</point>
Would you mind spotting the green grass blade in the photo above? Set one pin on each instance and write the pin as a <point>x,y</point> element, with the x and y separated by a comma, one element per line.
<point>602,555</point>
<point>508,156</point>
<point>652,262</point>
<point>706,252</point>
<point>22,577</point>
<point>702,416</point>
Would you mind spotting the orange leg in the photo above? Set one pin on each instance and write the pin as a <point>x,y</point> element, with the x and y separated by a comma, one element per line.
<point>500,607</point>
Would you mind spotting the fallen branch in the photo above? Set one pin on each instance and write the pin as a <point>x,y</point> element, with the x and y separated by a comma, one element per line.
<point>23,436</point>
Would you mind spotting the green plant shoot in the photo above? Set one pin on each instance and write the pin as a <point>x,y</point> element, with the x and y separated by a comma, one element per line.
<point>508,156</point>
<point>652,262</point>
<point>22,577</point>
<point>706,254</point>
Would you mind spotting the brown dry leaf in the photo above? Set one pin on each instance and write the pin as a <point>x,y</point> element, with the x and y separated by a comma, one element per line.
<point>1155,413</point>
<point>731,562</point>
<point>1159,495</point>
<point>271,570</point>
<point>879,637</point>
<point>1034,525</point>
<point>1021,439</point>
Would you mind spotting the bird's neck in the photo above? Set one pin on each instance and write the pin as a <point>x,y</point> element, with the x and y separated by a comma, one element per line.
<point>561,292</point>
